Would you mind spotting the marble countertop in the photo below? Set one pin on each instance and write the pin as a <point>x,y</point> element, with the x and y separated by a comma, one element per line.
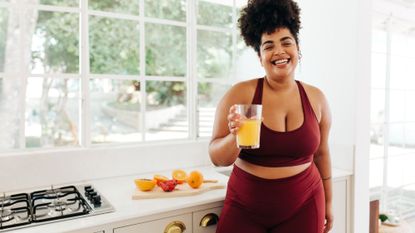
<point>118,191</point>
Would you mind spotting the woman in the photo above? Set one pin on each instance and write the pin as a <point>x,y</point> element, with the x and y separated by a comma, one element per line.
<point>285,185</point>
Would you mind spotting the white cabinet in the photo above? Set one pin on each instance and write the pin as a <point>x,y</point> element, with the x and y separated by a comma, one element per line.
<point>174,224</point>
<point>201,219</point>
<point>341,205</point>
<point>205,221</point>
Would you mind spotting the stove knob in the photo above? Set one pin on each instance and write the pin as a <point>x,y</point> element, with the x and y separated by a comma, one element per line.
<point>88,191</point>
<point>96,200</point>
<point>92,195</point>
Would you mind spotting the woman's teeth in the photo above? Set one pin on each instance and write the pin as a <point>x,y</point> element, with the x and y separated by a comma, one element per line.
<point>279,62</point>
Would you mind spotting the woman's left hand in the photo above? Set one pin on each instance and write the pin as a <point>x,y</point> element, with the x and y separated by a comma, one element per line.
<point>329,218</point>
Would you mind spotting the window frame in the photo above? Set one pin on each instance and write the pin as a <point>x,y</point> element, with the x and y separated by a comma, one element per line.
<point>191,79</point>
<point>385,189</point>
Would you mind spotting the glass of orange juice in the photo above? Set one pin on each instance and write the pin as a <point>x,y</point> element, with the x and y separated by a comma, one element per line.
<point>250,129</point>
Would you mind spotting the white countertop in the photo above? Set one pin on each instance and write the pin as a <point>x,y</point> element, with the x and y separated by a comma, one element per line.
<point>118,191</point>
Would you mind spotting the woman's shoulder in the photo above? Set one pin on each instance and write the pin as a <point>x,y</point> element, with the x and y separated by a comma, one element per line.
<point>242,92</point>
<point>317,99</point>
<point>313,91</point>
<point>246,85</point>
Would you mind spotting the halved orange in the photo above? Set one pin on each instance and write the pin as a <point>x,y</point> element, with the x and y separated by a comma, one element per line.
<point>179,175</point>
<point>144,184</point>
<point>159,178</point>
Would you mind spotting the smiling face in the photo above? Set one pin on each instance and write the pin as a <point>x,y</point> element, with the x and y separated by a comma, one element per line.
<point>279,54</point>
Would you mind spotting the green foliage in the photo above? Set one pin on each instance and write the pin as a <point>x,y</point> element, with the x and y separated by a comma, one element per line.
<point>166,54</point>
<point>114,43</point>
<point>73,3</point>
<point>204,93</point>
<point>166,93</point>
<point>166,9</point>
<point>114,46</point>
<point>121,6</point>
<point>60,32</point>
<point>214,14</point>
<point>383,217</point>
<point>214,54</point>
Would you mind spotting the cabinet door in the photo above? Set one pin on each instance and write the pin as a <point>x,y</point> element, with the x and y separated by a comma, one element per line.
<point>205,221</point>
<point>340,206</point>
<point>161,225</point>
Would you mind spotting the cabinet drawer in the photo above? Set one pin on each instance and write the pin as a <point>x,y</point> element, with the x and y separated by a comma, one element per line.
<point>160,225</point>
<point>205,221</point>
<point>340,206</point>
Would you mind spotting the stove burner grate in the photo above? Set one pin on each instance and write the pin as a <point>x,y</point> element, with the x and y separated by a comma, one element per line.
<point>58,205</point>
<point>6,215</point>
<point>43,206</point>
<point>4,202</point>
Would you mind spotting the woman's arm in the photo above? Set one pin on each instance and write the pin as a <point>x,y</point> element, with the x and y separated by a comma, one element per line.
<point>223,150</point>
<point>323,162</point>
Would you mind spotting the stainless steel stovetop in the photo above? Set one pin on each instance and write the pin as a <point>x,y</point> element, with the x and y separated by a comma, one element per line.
<point>20,210</point>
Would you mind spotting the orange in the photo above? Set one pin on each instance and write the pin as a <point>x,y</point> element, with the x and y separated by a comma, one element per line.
<point>144,184</point>
<point>179,175</point>
<point>195,179</point>
<point>159,178</point>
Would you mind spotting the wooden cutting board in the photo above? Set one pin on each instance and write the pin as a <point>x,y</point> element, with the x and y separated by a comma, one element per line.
<point>179,191</point>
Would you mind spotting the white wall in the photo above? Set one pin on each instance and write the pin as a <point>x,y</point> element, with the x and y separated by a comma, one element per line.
<point>56,167</point>
<point>328,43</point>
<point>335,43</point>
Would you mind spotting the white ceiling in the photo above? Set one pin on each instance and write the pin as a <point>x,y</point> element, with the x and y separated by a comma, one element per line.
<point>399,13</point>
<point>404,3</point>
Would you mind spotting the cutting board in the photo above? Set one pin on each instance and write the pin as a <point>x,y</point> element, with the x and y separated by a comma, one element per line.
<point>179,191</point>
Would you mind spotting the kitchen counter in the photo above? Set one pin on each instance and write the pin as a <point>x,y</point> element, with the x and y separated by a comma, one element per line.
<point>118,191</point>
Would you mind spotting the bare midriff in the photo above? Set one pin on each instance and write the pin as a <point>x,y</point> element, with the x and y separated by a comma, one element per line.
<point>271,172</point>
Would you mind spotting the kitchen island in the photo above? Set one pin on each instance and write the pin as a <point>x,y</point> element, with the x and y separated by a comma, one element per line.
<point>149,215</point>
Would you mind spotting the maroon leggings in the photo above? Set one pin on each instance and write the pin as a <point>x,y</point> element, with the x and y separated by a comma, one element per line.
<point>288,205</point>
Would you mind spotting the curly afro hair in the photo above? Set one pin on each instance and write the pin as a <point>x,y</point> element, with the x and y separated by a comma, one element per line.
<point>261,16</point>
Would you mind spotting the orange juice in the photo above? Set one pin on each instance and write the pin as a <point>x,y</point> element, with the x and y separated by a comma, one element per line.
<point>248,134</point>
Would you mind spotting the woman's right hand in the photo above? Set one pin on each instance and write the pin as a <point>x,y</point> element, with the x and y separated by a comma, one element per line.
<point>233,120</point>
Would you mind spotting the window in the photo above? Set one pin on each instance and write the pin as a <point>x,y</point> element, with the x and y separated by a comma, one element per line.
<point>392,151</point>
<point>100,72</point>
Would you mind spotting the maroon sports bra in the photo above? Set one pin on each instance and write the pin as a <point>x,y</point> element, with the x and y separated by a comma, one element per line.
<point>280,149</point>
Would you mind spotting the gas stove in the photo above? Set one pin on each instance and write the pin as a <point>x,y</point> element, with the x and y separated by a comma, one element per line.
<point>49,205</point>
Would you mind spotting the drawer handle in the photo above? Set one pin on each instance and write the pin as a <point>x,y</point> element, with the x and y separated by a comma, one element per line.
<point>209,220</point>
<point>175,227</point>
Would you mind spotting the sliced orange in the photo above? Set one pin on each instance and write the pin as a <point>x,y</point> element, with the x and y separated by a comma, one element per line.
<point>195,179</point>
<point>179,175</point>
<point>160,178</point>
<point>144,184</point>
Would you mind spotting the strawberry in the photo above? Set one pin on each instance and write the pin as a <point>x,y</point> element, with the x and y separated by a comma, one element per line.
<point>168,185</point>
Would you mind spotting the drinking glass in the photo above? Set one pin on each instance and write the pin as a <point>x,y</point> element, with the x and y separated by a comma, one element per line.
<point>250,129</point>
